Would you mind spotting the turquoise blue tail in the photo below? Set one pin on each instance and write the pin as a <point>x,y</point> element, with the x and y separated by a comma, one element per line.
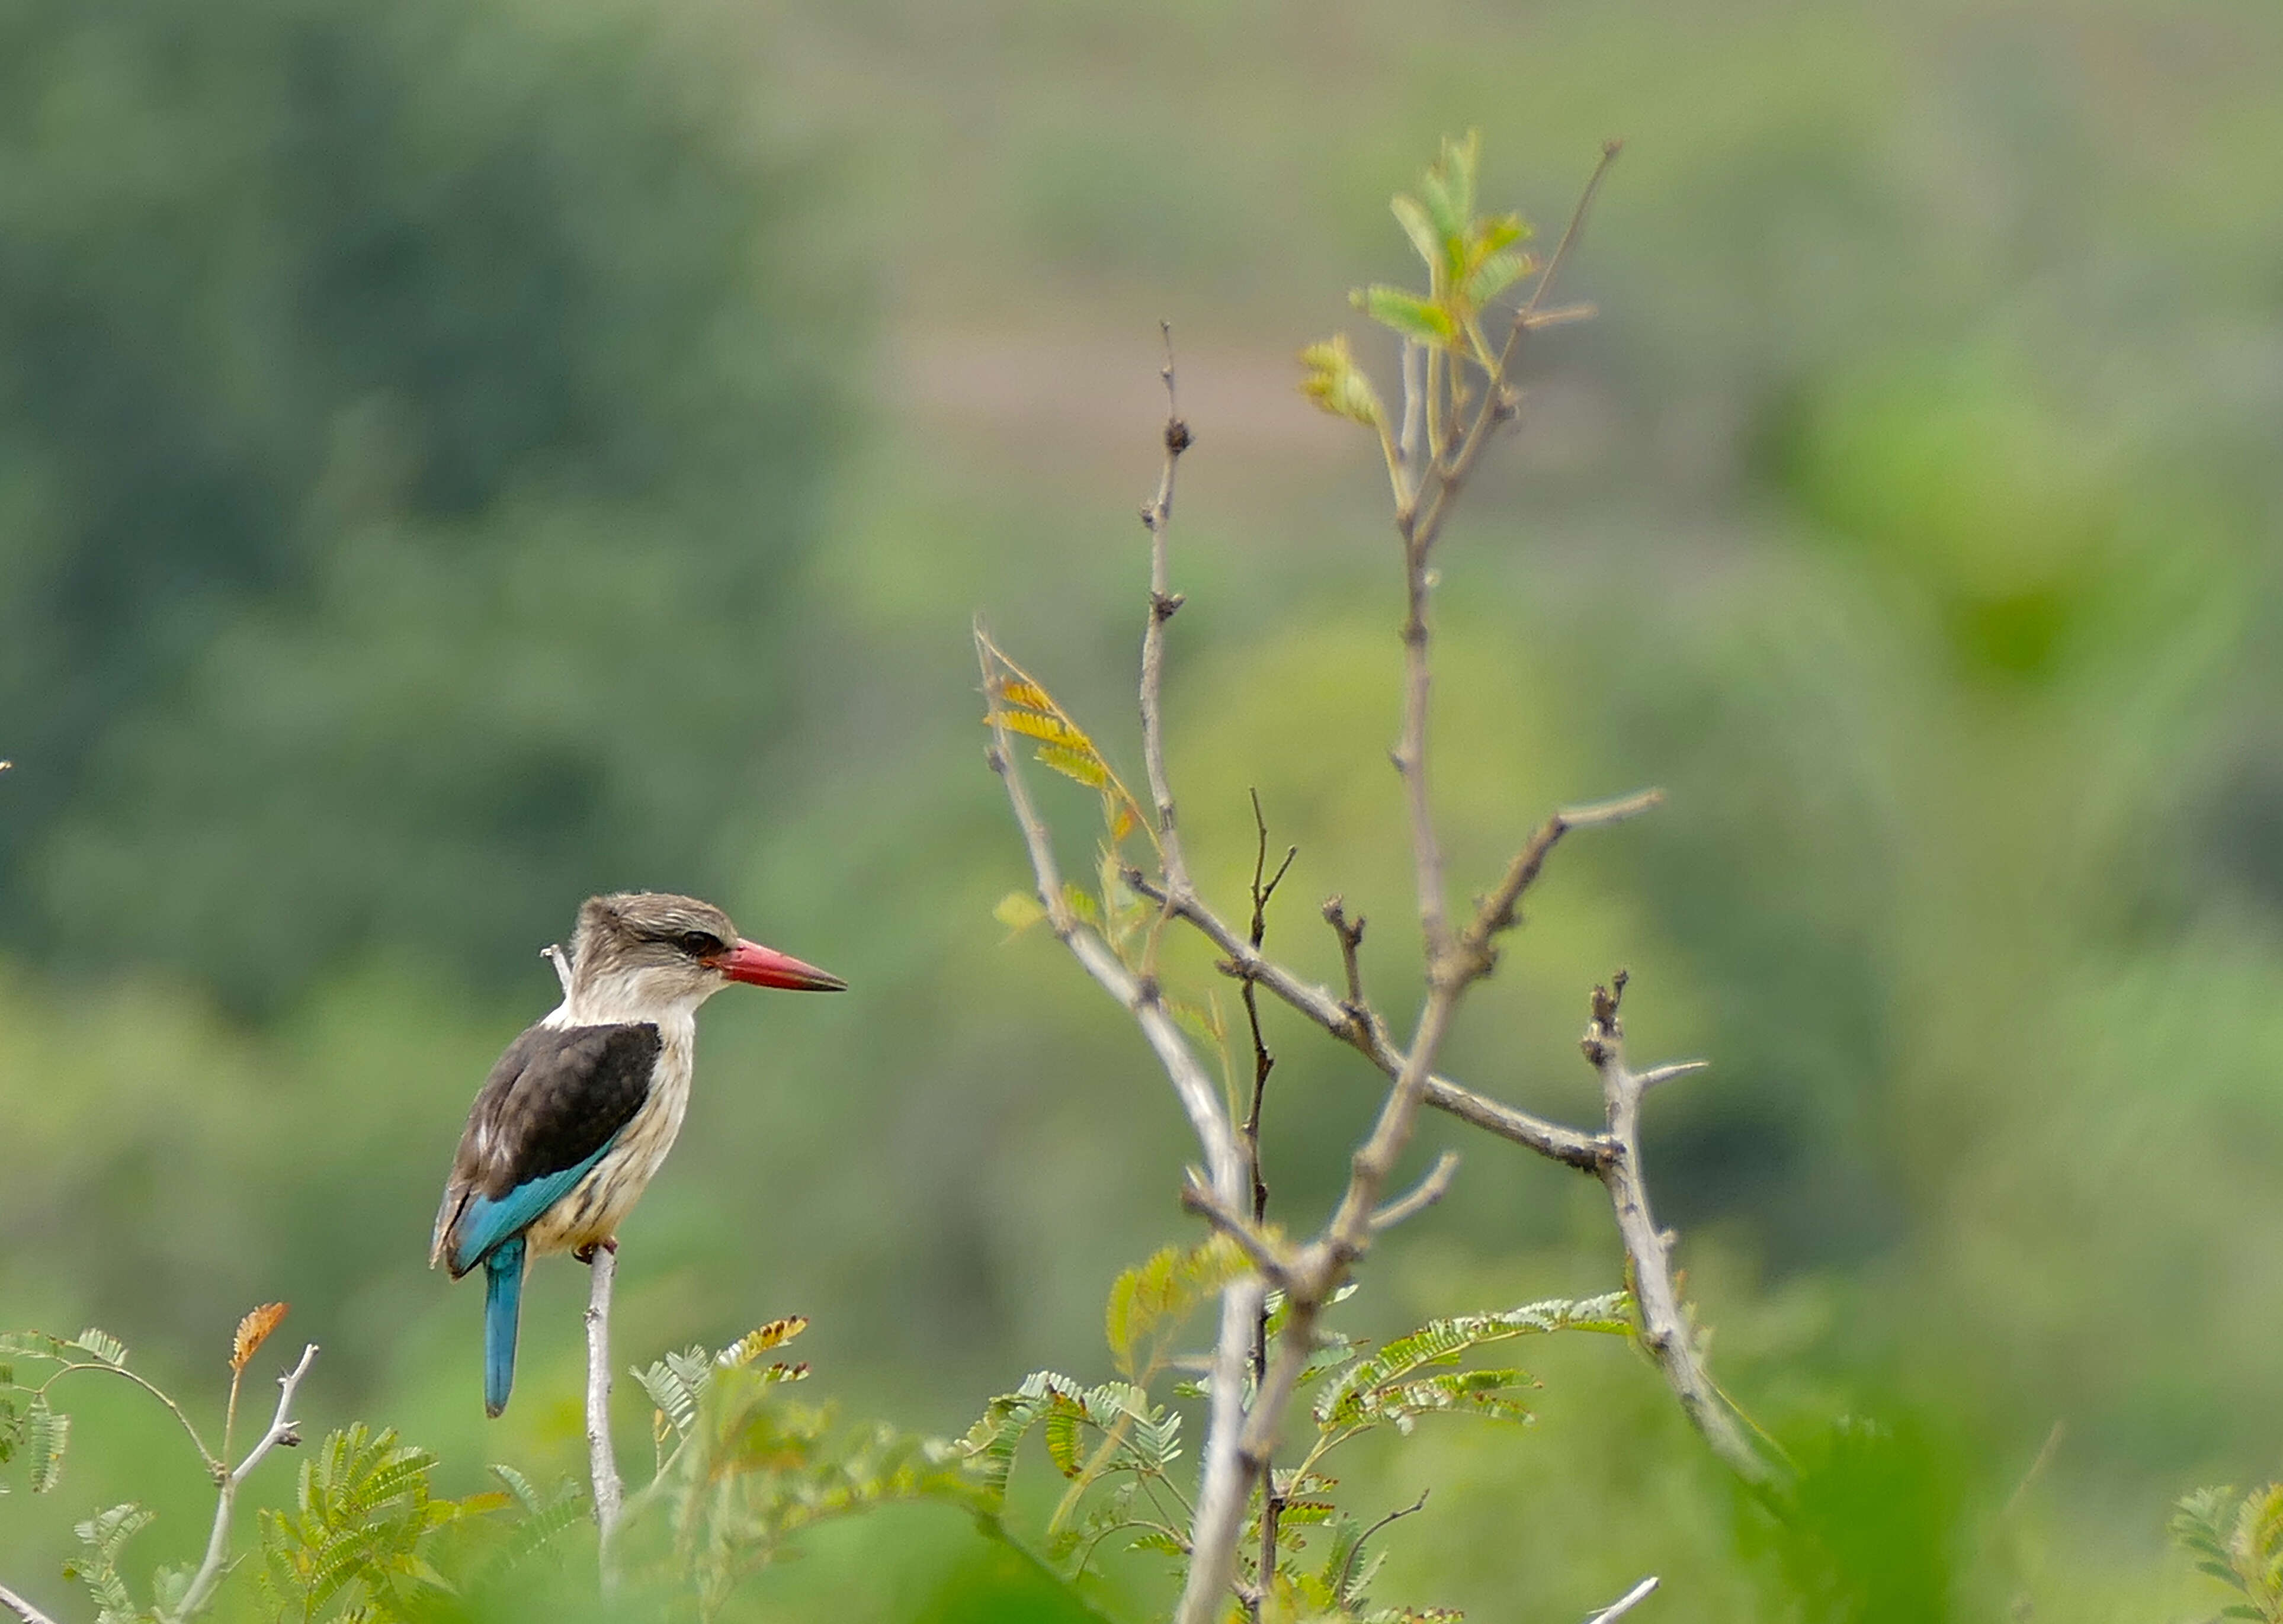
<point>503,1307</point>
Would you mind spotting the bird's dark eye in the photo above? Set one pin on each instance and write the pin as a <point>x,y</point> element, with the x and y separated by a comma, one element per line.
<point>698,943</point>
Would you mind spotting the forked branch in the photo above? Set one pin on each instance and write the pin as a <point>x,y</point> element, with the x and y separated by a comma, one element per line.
<point>283,1432</point>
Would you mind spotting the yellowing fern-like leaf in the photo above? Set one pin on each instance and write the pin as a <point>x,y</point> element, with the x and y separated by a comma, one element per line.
<point>1151,1300</point>
<point>252,1331</point>
<point>759,1341</point>
<point>1019,704</point>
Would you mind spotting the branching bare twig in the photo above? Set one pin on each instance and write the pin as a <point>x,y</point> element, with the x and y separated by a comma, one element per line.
<point>1423,1194</point>
<point>1157,515</point>
<point>1263,888</point>
<point>1445,425</point>
<point>1666,1331</point>
<point>1366,1034</point>
<point>284,1432</point>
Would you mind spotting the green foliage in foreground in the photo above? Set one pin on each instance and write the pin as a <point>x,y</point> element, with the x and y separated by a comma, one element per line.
<point>1116,1445</point>
<point>2237,1539</point>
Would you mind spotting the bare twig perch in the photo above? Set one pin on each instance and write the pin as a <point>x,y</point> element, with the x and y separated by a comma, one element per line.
<point>602,1461</point>
<point>9,1599</point>
<point>284,1432</point>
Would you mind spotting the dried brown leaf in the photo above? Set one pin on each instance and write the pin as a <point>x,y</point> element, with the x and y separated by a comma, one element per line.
<point>252,1331</point>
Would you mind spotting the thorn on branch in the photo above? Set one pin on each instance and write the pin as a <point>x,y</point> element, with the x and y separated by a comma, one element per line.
<point>1655,1076</point>
<point>1164,606</point>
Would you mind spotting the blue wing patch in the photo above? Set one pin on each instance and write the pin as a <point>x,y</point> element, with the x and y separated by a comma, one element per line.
<point>487,1222</point>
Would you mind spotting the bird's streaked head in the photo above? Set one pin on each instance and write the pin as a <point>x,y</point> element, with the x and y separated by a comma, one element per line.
<point>638,954</point>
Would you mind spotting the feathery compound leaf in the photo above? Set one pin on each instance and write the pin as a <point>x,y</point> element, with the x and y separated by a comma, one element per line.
<point>47,1434</point>
<point>1065,1445</point>
<point>1019,703</point>
<point>102,1345</point>
<point>1420,319</point>
<point>105,1534</point>
<point>990,1445</point>
<point>1081,766</point>
<point>1334,382</point>
<point>677,1385</point>
<point>1051,728</point>
<point>32,1345</point>
<point>1018,911</point>
<point>760,1341</point>
<point>526,1494</point>
<point>1365,1392</point>
<point>1419,228</point>
<point>363,1513</point>
<point>1150,1300</point>
<point>2238,1540</point>
<point>252,1331</point>
<point>1495,274</point>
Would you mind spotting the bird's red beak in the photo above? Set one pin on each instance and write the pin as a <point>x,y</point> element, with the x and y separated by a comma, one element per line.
<point>765,966</point>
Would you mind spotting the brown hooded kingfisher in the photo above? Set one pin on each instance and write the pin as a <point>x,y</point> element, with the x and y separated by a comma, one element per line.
<point>580,1111</point>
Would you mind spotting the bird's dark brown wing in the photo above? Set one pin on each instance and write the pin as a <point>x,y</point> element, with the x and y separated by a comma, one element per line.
<point>552,1102</point>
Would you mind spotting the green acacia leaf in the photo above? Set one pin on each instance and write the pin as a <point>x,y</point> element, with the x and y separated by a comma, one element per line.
<point>1334,382</point>
<point>1065,1442</point>
<point>1419,228</point>
<point>1495,274</point>
<point>47,1434</point>
<point>102,1344</point>
<point>1420,319</point>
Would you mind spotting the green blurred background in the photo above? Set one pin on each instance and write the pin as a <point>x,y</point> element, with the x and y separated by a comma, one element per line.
<point>463,454</point>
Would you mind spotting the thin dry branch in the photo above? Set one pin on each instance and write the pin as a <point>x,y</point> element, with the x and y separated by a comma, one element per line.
<point>1422,1195</point>
<point>9,1599</point>
<point>1355,1552</point>
<point>1357,1027</point>
<point>1626,1603</point>
<point>1497,912</point>
<point>1350,933</point>
<point>1197,1197</point>
<point>1157,515</point>
<point>284,1432</point>
<point>1221,1493</point>
<point>1666,1330</point>
<point>1199,1094</point>
<point>1264,888</point>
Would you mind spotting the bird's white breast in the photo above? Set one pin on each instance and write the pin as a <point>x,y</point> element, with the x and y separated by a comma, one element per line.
<point>599,1203</point>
